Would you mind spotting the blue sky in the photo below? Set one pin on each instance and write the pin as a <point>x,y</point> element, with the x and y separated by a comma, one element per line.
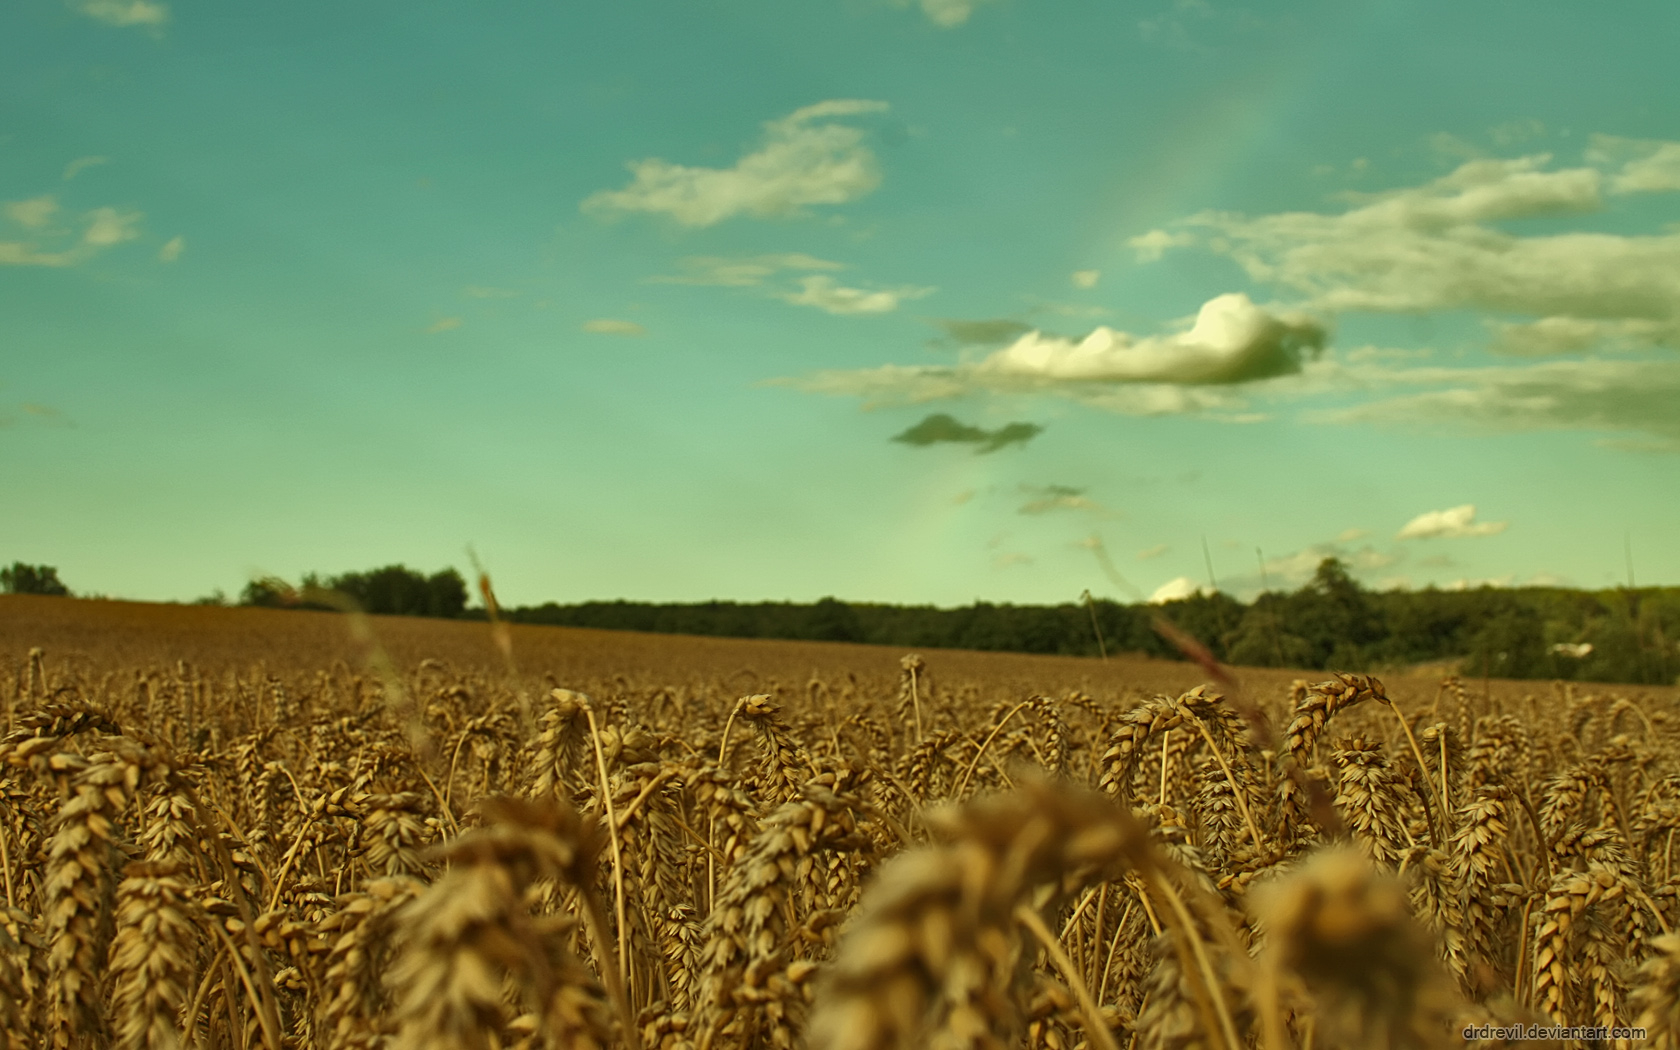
<point>635,298</point>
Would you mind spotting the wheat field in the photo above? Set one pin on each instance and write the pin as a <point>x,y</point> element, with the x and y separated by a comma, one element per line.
<point>252,828</point>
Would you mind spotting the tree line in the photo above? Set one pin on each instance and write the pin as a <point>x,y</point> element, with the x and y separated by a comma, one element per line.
<point>1331,623</point>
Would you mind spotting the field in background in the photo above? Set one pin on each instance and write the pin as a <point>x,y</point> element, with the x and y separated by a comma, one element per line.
<point>239,828</point>
<point>106,634</point>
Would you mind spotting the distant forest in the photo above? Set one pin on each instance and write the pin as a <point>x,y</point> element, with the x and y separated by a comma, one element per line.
<point>1331,623</point>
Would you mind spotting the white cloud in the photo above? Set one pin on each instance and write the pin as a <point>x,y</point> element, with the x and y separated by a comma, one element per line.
<point>172,249</point>
<point>608,326</point>
<point>1607,395</point>
<point>742,272</point>
<point>1176,589</point>
<point>824,293</point>
<point>1647,165</point>
<point>1350,535</point>
<point>125,12</point>
<point>1455,521</point>
<point>104,228</point>
<point>1154,244</point>
<point>1085,278</point>
<point>948,14</point>
<point>33,213</point>
<point>805,160</point>
<point>19,253</point>
<point>1004,561</point>
<point>1430,248</point>
<point>1153,552</point>
<point>108,226</point>
<point>1566,335</point>
<point>1231,341</point>
<point>77,166</point>
<point>443,324</point>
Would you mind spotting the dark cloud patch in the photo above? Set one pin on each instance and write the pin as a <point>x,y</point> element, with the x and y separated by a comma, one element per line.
<point>983,333</point>
<point>940,428</point>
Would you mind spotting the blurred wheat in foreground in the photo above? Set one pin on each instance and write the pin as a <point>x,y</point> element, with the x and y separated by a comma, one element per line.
<point>437,860</point>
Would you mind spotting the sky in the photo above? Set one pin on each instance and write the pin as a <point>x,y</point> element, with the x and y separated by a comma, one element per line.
<point>924,301</point>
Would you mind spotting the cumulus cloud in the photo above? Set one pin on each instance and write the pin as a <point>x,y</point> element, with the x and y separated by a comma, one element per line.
<point>34,213</point>
<point>1154,244</point>
<point>1176,589</point>
<point>806,159</point>
<point>827,294</point>
<point>742,272</point>
<point>1453,522</point>
<point>1232,341</point>
<point>941,428</point>
<point>172,249</point>
<point>1085,278</point>
<point>608,326</point>
<point>125,12</point>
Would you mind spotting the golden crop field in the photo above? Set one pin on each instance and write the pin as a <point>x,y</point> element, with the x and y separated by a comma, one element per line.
<point>237,828</point>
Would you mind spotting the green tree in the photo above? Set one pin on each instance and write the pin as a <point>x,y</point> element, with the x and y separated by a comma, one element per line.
<point>1335,617</point>
<point>32,579</point>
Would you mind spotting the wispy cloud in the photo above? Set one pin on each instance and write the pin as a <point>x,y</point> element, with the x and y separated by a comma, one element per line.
<point>443,324</point>
<point>1085,278</point>
<point>1151,553</point>
<point>1454,521</point>
<point>742,272</point>
<point>478,291</point>
<point>123,13</point>
<point>946,14</point>
<point>807,159</point>
<point>982,333</point>
<point>827,294</point>
<point>1608,395</point>
<point>108,226</point>
<point>1151,246</point>
<point>1050,498</point>
<point>1646,165</point>
<point>101,229</point>
<point>33,413</point>
<point>33,213</point>
<point>1435,247</point>
<point>172,249</point>
<point>609,326</point>
<point>941,429</point>
<point>81,164</point>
